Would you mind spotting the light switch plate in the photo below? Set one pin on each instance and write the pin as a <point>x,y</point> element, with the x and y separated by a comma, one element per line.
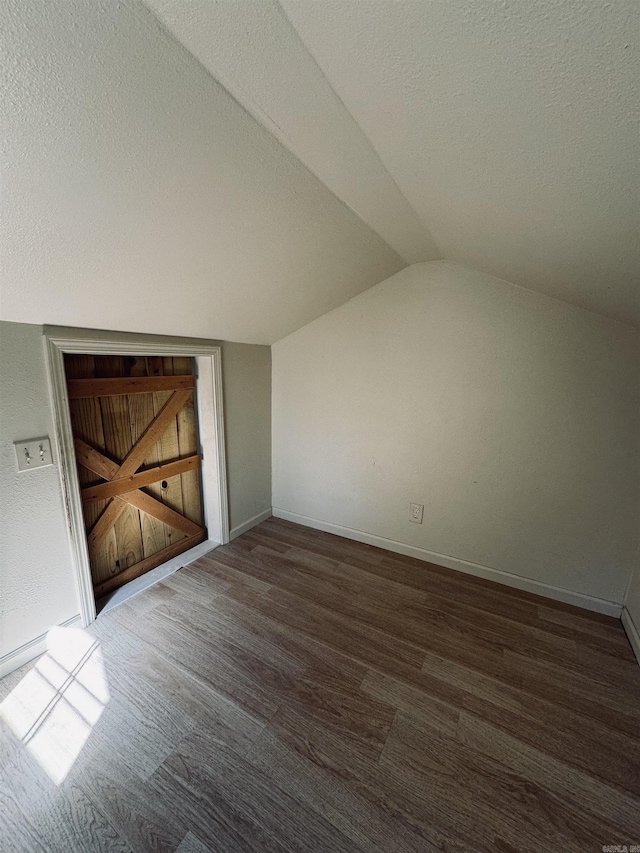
<point>33,453</point>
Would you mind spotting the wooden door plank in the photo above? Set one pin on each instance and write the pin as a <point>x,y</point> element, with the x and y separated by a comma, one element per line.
<point>148,563</point>
<point>123,385</point>
<point>182,365</point>
<point>188,445</point>
<point>86,422</point>
<point>120,486</point>
<point>136,456</point>
<point>162,512</point>
<point>118,444</point>
<point>154,366</point>
<point>168,449</point>
<point>154,532</point>
<point>137,366</point>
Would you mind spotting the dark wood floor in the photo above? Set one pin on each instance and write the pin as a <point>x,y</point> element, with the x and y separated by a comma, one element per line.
<point>294,691</point>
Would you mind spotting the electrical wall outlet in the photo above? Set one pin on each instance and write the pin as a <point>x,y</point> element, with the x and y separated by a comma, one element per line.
<point>416,512</point>
<point>33,453</point>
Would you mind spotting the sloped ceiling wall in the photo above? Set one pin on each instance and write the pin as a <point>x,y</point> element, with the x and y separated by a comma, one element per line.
<point>510,128</point>
<point>236,168</point>
<point>139,195</point>
<point>251,47</point>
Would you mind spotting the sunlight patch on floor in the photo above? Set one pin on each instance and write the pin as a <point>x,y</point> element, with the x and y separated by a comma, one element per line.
<point>56,705</point>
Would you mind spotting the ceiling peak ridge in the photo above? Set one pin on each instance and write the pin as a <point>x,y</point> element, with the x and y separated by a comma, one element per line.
<point>363,134</point>
<point>254,52</point>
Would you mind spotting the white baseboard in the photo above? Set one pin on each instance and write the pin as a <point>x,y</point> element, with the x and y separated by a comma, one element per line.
<point>598,605</point>
<point>33,649</point>
<point>128,590</point>
<point>247,525</point>
<point>632,632</point>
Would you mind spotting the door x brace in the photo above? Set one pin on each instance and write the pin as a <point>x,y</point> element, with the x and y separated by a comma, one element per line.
<point>123,483</point>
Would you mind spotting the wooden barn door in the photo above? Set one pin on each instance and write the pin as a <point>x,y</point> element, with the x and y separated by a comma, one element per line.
<point>135,440</point>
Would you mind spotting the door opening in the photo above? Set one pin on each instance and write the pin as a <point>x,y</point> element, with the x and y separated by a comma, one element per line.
<point>140,450</point>
<point>134,428</point>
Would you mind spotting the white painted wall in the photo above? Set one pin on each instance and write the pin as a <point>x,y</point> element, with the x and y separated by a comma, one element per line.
<point>37,587</point>
<point>247,411</point>
<point>139,195</point>
<point>513,417</point>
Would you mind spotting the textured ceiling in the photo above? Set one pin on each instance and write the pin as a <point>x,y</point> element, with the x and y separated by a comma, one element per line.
<point>138,195</point>
<point>235,168</point>
<point>510,126</point>
<point>252,49</point>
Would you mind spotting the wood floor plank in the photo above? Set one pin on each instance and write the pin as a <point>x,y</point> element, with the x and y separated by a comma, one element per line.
<point>23,783</point>
<point>620,810</point>
<point>152,729</point>
<point>471,638</point>
<point>425,576</point>
<point>577,740</point>
<point>191,844</point>
<point>208,564</point>
<point>584,621</point>
<point>18,827</point>
<point>555,635</point>
<point>605,661</point>
<point>499,800</point>
<point>225,722</point>
<point>409,698</point>
<point>195,656</point>
<point>322,544</point>
<point>354,639</point>
<point>564,732</point>
<point>262,813</point>
<point>326,666</point>
<point>121,645</point>
<point>69,820</point>
<point>205,816</point>
<point>231,638</point>
<point>371,782</point>
<point>357,818</point>
<point>192,584</point>
<point>354,714</point>
<point>134,810</point>
<point>295,691</point>
<point>391,616</point>
<point>618,709</point>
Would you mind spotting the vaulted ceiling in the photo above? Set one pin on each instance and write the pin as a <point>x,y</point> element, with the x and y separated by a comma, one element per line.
<point>234,169</point>
<point>503,136</point>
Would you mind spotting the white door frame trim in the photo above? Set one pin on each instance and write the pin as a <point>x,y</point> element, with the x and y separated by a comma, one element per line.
<point>211,437</point>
